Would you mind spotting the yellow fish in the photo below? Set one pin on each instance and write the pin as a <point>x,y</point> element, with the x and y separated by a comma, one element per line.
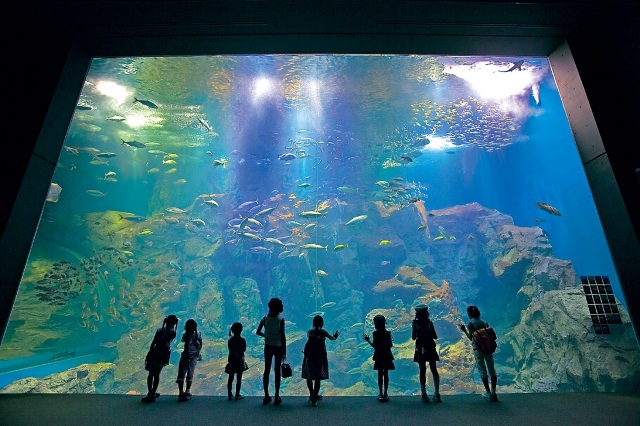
<point>321,273</point>
<point>421,227</point>
<point>172,170</point>
<point>340,247</point>
<point>169,162</point>
<point>438,238</point>
<point>146,232</point>
<point>385,242</point>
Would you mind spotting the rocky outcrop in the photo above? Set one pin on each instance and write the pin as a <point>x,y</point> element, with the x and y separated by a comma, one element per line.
<point>554,349</point>
<point>80,379</point>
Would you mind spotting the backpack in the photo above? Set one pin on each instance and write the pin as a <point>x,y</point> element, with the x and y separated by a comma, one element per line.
<point>485,340</point>
<point>314,348</point>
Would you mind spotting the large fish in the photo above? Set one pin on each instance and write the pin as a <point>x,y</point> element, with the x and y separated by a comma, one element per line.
<point>356,219</point>
<point>313,246</point>
<point>312,213</point>
<point>134,143</point>
<point>286,156</point>
<point>145,103</point>
<point>263,212</point>
<point>548,208</point>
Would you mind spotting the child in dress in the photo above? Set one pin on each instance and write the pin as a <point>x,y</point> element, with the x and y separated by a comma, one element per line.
<point>382,343</point>
<point>236,364</point>
<point>189,358</point>
<point>424,333</point>
<point>315,365</point>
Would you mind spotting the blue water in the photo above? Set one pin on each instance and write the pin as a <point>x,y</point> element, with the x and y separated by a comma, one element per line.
<point>346,119</point>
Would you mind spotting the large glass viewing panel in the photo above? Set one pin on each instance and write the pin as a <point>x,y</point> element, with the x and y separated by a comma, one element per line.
<point>346,185</point>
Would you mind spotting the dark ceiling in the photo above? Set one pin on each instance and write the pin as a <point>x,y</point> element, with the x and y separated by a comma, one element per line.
<point>374,26</point>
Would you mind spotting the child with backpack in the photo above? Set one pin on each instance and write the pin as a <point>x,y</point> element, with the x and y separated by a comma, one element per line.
<point>382,343</point>
<point>424,333</point>
<point>315,365</point>
<point>189,358</point>
<point>483,348</point>
<point>236,364</point>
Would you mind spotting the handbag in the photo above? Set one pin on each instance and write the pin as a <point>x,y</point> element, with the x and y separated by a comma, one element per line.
<point>285,370</point>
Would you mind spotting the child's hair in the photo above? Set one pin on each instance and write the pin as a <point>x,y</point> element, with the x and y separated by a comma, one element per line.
<point>275,306</point>
<point>473,311</point>
<point>422,312</point>
<point>191,325</point>
<point>318,321</point>
<point>236,329</point>
<point>170,321</point>
<point>379,322</point>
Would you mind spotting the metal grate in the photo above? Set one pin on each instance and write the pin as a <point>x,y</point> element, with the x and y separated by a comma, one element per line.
<point>602,304</point>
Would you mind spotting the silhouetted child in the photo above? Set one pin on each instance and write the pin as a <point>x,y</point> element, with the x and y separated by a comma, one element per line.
<point>275,346</point>
<point>315,365</point>
<point>483,362</point>
<point>189,358</point>
<point>159,355</point>
<point>236,364</point>
<point>382,356</point>
<point>424,333</point>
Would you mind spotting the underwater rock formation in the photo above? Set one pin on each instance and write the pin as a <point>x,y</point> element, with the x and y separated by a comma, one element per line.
<point>446,258</point>
<point>81,379</point>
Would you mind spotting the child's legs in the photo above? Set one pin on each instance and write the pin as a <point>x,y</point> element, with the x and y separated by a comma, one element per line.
<point>310,387</point>
<point>423,373</point>
<point>380,380</point>
<point>316,389</point>
<point>482,366</point>
<point>488,359</point>
<point>191,368</point>
<point>433,368</point>
<point>386,380</point>
<point>229,384</point>
<point>182,372</point>
<point>238,383</point>
<point>276,367</point>
<point>267,371</point>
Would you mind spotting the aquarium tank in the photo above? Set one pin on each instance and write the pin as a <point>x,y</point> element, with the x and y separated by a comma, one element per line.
<point>346,185</point>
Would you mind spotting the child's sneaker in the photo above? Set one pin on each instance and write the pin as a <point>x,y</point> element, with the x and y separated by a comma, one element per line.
<point>494,397</point>
<point>239,397</point>
<point>486,396</point>
<point>425,398</point>
<point>149,398</point>
<point>436,397</point>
